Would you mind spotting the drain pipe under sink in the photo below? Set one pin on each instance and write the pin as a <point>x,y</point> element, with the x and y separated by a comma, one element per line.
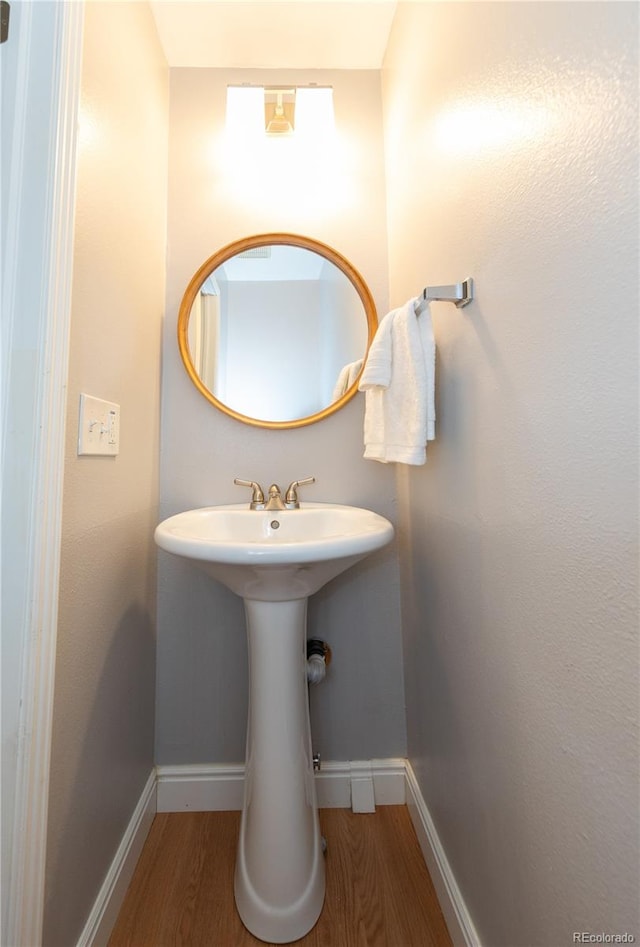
<point>318,658</point>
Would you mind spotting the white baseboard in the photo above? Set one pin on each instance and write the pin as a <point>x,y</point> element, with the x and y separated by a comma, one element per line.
<point>105,911</point>
<point>218,787</point>
<point>205,787</point>
<point>459,922</point>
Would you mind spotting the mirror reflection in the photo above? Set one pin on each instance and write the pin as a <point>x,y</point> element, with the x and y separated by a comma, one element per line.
<point>274,330</point>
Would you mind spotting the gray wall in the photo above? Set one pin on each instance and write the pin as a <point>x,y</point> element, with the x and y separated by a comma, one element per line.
<point>215,198</point>
<point>103,724</point>
<point>519,536</point>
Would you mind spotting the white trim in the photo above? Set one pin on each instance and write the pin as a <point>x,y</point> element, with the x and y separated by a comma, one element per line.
<point>219,787</point>
<point>459,922</point>
<point>107,906</point>
<point>50,261</point>
<point>208,787</point>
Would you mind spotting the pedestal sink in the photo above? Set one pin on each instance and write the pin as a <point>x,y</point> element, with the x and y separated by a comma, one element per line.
<point>274,560</point>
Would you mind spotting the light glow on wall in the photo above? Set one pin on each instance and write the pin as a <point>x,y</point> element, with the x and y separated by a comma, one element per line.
<point>487,126</point>
<point>90,132</point>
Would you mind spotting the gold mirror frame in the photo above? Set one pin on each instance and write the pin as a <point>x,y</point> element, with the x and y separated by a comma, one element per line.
<point>249,243</point>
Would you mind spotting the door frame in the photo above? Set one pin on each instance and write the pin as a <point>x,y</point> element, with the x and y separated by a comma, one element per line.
<point>39,158</point>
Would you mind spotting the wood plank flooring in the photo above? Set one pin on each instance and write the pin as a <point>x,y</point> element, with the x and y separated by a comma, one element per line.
<point>379,893</point>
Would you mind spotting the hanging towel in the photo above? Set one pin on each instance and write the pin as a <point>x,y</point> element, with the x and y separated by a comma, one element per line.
<point>346,378</point>
<point>399,385</point>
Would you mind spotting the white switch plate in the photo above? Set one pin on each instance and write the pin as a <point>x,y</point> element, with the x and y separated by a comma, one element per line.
<point>98,427</point>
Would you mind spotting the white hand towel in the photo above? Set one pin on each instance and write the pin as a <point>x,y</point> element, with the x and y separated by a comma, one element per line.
<point>346,378</point>
<point>399,381</point>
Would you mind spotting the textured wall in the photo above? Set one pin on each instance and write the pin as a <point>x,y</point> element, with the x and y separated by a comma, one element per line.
<point>512,146</point>
<point>214,198</point>
<point>104,689</point>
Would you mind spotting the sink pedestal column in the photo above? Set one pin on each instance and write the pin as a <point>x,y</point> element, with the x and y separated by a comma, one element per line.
<point>279,877</point>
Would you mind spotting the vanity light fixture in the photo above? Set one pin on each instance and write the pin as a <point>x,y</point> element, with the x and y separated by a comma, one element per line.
<point>281,111</point>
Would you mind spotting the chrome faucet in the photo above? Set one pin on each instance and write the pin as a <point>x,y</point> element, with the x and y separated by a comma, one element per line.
<point>275,501</point>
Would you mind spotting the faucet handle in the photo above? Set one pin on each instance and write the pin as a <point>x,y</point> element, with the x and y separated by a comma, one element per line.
<point>291,497</point>
<point>257,497</point>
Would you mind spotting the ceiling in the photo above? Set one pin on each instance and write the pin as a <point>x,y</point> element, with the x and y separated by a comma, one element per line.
<point>269,34</point>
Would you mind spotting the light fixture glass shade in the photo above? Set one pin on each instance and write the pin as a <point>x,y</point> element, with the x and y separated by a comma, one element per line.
<point>245,111</point>
<point>314,113</point>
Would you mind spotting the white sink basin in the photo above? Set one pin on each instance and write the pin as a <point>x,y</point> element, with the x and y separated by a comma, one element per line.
<point>277,555</point>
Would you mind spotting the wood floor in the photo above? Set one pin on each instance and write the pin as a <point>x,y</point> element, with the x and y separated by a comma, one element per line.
<point>379,893</point>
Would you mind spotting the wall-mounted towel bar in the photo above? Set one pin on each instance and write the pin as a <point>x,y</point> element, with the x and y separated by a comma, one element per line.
<point>460,293</point>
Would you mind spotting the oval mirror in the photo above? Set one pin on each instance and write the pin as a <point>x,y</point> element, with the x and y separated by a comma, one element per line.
<point>273,330</point>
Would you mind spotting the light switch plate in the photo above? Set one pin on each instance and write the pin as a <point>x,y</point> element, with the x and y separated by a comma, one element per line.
<point>98,427</point>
